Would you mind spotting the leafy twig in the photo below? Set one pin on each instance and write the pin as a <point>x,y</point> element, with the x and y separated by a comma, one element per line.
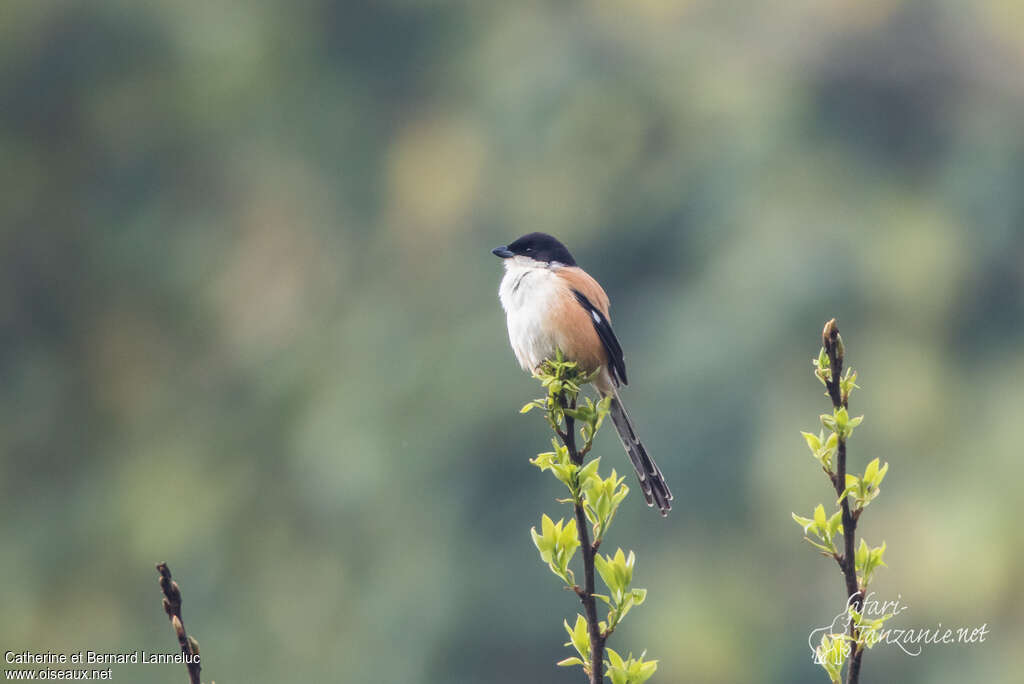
<point>835,351</point>
<point>586,595</point>
<point>595,501</point>
<point>855,492</point>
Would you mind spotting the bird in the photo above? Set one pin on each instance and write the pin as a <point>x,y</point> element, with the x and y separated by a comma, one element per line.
<point>551,303</point>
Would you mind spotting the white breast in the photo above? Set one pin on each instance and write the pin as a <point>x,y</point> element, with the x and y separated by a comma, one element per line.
<point>527,293</point>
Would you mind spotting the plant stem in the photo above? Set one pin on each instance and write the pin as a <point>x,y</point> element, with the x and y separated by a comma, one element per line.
<point>172,606</point>
<point>583,532</point>
<point>848,564</point>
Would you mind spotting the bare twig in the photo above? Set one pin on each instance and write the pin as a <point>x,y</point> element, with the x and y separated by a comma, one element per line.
<point>833,344</point>
<point>172,606</point>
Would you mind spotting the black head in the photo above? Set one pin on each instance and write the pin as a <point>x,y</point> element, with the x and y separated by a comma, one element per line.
<point>538,246</point>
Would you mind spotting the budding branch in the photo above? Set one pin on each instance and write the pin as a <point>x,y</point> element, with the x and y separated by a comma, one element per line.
<point>586,594</point>
<point>847,562</point>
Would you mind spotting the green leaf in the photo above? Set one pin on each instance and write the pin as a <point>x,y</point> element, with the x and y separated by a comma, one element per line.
<point>544,461</point>
<point>557,543</point>
<point>874,475</point>
<point>543,545</point>
<point>824,528</point>
<point>827,550</point>
<point>645,671</point>
<point>616,668</point>
<point>869,560</point>
<point>606,570</point>
<point>821,448</point>
<point>568,538</point>
<point>578,637</point>
<point>861,556</point>
<point>565,472</point>
<point>547,526</point>
<point>805,523</point>
<point>853,486</point>
<point>819,517</point>
<point>624,568</point>
<point>872,471</point>
<point>848,383</point>
<point>604,506</point>
<point>831,654</point>
<point>813,441</point>
<point>631,670</point>
<point>589,470</point>
<point>568,662</point>
<point>835,524</point>
<point>881,475</point>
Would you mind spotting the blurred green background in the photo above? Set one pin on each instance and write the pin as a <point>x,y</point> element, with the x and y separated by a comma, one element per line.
<point>249,324</point>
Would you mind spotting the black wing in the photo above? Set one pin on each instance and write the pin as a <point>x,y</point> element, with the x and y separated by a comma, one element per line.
<point>617,365</point>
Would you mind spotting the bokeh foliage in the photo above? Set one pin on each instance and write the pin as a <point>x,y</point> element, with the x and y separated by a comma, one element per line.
<point>248,320</point>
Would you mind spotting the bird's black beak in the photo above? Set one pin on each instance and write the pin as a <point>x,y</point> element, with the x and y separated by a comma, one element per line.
<point>503,252</point>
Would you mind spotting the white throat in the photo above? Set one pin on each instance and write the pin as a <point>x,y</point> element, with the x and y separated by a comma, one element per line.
<point>527,292</point>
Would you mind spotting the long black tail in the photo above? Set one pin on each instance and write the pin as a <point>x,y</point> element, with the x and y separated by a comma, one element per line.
<point>652,482</point>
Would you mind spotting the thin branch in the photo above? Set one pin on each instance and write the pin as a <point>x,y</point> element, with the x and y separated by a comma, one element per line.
<point>583,531</point>
<point>172,606</point>
<point>833,344</point>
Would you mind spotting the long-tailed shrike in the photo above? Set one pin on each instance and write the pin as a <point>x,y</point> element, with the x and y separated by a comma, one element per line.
<point>551,303</point>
